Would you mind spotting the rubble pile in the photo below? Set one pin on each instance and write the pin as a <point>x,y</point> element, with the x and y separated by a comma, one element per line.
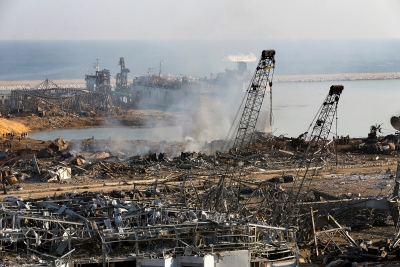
<point>182,204</point>
<point>382,145</point>
<point>93,227</point>
<point>194,217</point>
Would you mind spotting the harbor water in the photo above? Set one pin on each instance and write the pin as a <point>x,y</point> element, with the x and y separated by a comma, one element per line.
<point>362,104</point>
<point>175,133</point>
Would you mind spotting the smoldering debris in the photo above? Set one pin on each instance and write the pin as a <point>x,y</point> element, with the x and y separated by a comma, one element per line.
<point>142,160</point>
<point>194,204</point>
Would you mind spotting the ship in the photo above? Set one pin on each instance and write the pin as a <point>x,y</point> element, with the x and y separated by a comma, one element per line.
<point>175,92</point>
<point>188,92</point>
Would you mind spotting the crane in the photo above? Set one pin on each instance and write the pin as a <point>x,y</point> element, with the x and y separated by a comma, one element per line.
<point>241,133</point>
<point>317,138</point>
<point>280,208</point>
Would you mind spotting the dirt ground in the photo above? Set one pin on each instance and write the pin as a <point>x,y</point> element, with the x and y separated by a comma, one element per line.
<point>138,118</point>
<point>365,181</point>
<point>373,185</point>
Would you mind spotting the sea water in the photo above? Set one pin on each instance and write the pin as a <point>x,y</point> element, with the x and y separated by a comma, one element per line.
<point>362,104</point>
<point>38,60</point>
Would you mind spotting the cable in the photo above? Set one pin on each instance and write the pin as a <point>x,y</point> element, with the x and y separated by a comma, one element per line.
<point>228,136</point>
<point>312,123</point>
<point>336,137</point>
<point>271,117</point>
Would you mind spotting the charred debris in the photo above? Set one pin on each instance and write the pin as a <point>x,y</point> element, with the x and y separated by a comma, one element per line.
<point>191,206</point>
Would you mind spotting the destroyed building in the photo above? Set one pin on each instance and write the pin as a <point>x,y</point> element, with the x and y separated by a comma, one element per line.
<point>49,97</point>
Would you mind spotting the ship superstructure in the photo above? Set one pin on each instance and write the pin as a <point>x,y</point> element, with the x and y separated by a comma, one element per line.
<point>98,81</point>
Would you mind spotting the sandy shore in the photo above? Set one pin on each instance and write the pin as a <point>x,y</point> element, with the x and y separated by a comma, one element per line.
<point>337,77</point>
<point>37,82</point>
<point>277,78</point>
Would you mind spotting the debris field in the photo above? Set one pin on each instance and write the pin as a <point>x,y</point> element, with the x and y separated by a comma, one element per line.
<point>107,202</point>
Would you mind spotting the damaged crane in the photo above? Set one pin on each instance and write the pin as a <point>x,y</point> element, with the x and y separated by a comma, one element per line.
<point>317,139</point>
<point>241,133</point>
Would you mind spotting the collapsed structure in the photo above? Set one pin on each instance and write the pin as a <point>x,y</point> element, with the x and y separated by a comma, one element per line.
<point>98,229</point>
<point>49,96</point>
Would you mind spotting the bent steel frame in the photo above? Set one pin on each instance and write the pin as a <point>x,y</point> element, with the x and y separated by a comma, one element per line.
<point>50,96</point>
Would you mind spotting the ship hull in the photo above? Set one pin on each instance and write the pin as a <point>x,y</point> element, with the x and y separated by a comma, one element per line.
<point>174,99</point>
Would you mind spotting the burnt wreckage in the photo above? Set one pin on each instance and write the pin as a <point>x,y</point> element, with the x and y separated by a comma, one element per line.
<point>208,223</point>
<point>48,96</point>
<point>98,229</point>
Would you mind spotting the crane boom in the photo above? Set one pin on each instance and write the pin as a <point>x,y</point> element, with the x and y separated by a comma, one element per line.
<point>317,138</point>
<point>262,78</point>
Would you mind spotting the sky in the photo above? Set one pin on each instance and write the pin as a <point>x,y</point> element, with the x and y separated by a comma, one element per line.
<point>198,19</point>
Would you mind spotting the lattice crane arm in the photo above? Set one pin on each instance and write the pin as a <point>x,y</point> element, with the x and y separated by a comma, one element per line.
<point>317,138</point>
<point>242,132</point>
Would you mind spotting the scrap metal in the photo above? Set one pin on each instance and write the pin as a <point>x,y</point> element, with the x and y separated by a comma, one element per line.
<point>48,96</point>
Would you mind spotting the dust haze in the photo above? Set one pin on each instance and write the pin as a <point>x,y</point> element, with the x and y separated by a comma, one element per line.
<point>213,112</point>
<point>197,20</point>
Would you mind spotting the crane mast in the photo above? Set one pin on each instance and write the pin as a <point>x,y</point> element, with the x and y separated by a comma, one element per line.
<point>254,97</point>
<point>317,139</point>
